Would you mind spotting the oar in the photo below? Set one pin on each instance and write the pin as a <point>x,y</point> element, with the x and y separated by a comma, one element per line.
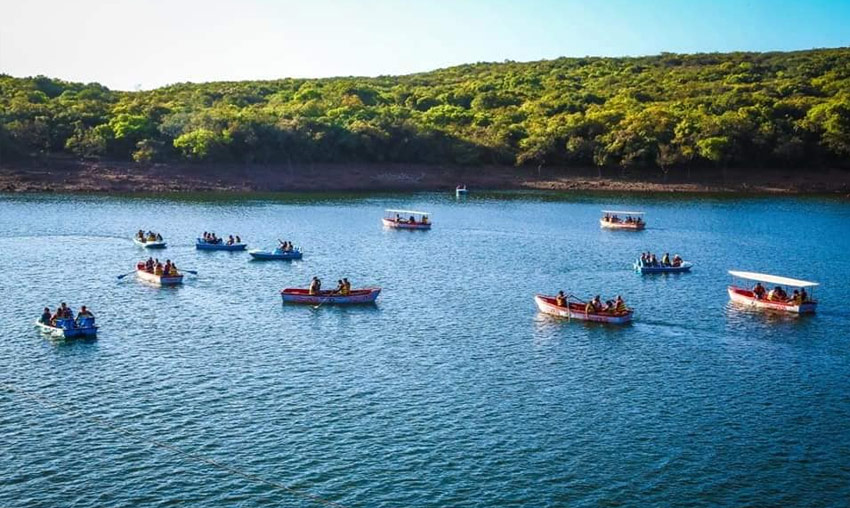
<point>193,272</point>
<point>126,274</point>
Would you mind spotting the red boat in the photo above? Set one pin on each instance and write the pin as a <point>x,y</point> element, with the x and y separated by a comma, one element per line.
<point>614,220</point>
<point>161,280</point>
<point>406,219</point>
<point>746,296</point>
<point>576,310</point>
<point>356,296</point>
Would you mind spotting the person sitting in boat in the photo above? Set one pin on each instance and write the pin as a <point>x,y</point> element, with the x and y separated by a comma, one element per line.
<point>677,261</point>
<point>804,296</point>
<point>140,235</point>
<point>560,299</point>
<point>315,286</point>
<point>339,287</point>
<point>158,269</point>
<point>653,260</point>
<point>56,316</point>
<point>619,305</point>
<point>398,218</point>
<point>594,305</point>
<point>45,316</point>
<point>84,313</point>
<point>780,293</point>
<point>424,219</point>
<point>795,298</point>
<point>238,240</point>
<point>759,291</point>
<point>346,290</point>
<point>608,307</point>
<point>230,240</point>
<point>166,270</point>
<point>412,220</point>
<point>665,259</point>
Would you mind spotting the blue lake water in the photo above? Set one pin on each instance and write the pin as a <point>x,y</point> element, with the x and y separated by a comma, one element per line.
<point>451,391</point>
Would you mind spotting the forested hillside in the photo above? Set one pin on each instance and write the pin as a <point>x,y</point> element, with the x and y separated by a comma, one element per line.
<point>650,114</point>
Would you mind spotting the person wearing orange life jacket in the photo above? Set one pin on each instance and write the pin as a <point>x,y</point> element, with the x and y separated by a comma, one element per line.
<point>346,287</point>
<point>560,299</point>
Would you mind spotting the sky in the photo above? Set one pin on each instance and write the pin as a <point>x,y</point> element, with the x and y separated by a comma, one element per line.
<point>139,44</point>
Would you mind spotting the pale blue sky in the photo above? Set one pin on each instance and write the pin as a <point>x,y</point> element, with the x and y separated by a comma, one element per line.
<point>127,43</point>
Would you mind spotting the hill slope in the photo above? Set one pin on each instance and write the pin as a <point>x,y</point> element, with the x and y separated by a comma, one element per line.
<point>639,114</point>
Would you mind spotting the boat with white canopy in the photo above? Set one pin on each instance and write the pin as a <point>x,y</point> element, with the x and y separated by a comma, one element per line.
<point>406,219</point>
<point>617,219</point>
<point>799,302</point>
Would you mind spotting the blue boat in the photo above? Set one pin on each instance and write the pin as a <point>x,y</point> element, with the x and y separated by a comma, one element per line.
<point>202,244</point>
<point>266,255</point>
<point>69,329</point>
<point>684,267</point>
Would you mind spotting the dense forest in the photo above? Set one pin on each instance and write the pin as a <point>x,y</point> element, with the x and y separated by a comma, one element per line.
<point>653,113</point>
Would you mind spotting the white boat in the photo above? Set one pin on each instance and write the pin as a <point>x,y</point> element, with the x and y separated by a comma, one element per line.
<point>628,221</point>
<point>747,297</point>
<point>149,245</point>
<point>406,219</point>
<point>461,190</point>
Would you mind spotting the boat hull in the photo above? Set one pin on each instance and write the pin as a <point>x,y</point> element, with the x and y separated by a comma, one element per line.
<point>684,267</point>
<point>269,256</point>
<point>66,331</point>
<point>159,280</point>
<point>202,245</point>
<point>357,296</point>
<point>404,225</point>
<point>548,305</point>
<point>149,245</point>
<point>630,226</point>
<point>746,297</point>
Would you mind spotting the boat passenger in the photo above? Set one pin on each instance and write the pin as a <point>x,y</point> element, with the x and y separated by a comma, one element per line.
<point>665,260</point>
<point>594,305</point>
<point>315,286</point>
<point>397,218</point>
<point>158,237</point>
<point>56,316</point>
<point>166,270</point>
<point>804,296</point>
<point>238,240</point>
<point>653,260</point>
<point>795,298</point>
<point>759,291</point>
<point>608,307</point>
<point>780,293</point>
<point>412,220</point>
<point>84,313</point>
<point>424,219</point>
<point>560,299</point>
<point>619,305</point>
<point>347,288</point>
<point>339,286</point>
<point>677,261</point>
<point>158,269</point>
<point>45,316</point>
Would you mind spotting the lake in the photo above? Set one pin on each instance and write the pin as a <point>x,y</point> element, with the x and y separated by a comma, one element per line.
<point>451,391</point>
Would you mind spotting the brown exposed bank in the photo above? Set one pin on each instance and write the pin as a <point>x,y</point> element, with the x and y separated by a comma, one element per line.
<point>67,175</point>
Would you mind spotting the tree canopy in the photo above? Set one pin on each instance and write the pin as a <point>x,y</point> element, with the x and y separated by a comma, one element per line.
<point>643,114</point>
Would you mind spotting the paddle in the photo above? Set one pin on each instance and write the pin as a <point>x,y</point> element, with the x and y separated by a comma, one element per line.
<point>126,274</point>
<point>193,272</point>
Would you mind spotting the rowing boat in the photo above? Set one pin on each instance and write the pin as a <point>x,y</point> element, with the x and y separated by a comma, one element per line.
<point>160,280</point>
<point>400,219</point>
<point>356,296</point>
<point>746,297</point>
<point>266,255</point>
<point>608,222</point>
<point>575,310</point>
<point>201,244</point>
<point>149,244</point>
<point>684,267</point>
<point>68,329</point>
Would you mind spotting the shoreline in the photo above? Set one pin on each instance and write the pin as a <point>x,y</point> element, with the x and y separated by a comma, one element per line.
<point>59,175</point>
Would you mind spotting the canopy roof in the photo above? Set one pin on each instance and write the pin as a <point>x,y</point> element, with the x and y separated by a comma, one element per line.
<point>414,212</point>
<point>773,279</point>
<point>624,213</point>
